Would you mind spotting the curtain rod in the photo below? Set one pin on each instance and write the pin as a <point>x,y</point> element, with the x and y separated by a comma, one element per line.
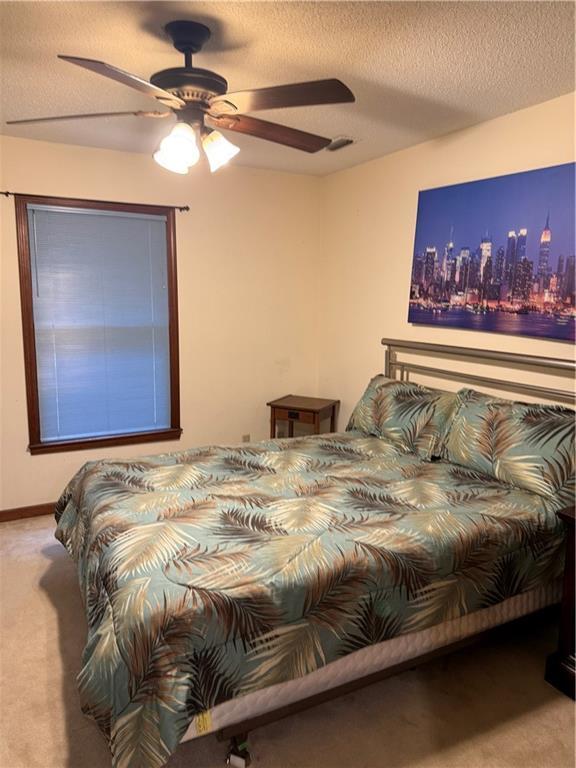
<point>114,202</point>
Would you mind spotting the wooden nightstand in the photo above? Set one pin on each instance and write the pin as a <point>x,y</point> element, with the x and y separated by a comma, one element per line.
<point>302,410</point>
<point>561,666</point>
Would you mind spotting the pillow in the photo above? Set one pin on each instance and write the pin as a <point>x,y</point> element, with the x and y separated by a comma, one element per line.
<point>411,417</point>
<point>527,445</point>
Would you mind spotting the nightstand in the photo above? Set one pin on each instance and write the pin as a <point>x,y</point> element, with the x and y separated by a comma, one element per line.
<point>296,409</point>
<point>560,666</point>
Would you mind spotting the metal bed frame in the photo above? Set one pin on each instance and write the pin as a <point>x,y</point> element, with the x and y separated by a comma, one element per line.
<point>401,368</point>
<point>394,368</point>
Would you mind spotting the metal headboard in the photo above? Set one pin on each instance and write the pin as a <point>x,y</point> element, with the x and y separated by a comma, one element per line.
<point>393,367</point>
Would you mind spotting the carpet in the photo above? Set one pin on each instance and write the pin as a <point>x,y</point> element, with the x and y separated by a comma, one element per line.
<point>486,706</point>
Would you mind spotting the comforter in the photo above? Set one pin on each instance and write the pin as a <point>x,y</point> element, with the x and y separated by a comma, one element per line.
<point>214,572</point>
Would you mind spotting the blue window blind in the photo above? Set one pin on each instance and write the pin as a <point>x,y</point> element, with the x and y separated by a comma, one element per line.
<point>100,300</point>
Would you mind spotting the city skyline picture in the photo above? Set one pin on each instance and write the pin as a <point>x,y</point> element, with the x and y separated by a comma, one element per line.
<point>498,255</point>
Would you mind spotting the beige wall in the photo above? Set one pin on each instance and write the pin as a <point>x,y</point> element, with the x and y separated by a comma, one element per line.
<point>247,252</point>
<point>370,217</point>
<point>286,283</point>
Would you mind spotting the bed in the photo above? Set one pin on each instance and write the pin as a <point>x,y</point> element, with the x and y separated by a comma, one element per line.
<point>226,585</point>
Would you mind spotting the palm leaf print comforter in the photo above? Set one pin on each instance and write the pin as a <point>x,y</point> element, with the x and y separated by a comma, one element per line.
<point>215,572</point>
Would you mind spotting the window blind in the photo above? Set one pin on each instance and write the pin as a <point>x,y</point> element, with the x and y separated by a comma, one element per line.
<point>100,301</point>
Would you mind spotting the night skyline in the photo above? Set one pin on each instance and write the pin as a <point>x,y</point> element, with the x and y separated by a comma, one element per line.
<point>498,255</point>
<point>498,205</point>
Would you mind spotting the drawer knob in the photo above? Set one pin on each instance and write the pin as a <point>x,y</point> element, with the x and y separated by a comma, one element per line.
<point>293,415</point>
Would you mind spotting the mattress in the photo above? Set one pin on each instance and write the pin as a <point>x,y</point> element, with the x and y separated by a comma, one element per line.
<point>213,574</point>
<point>370,660</point>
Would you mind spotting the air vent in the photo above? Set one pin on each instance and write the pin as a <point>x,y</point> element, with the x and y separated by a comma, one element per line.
<point>339,143</point>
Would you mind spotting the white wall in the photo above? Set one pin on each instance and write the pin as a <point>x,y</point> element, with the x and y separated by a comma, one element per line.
<point>369,224</point>
<point>247,257</point>
<point>286,283</point>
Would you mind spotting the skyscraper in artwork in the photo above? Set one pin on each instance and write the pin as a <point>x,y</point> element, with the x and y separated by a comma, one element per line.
<point>568,285</point>
<point>510,258</point>
<point>447,261</point>
<point>544,256</point>
<point>521,244</point>
<point>485,253</point>
<point>499,270</point>
<point>430,261</point>
<point>520,269</point>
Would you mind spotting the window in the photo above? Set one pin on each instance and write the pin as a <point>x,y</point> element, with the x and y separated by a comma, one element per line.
<point>99,313</point>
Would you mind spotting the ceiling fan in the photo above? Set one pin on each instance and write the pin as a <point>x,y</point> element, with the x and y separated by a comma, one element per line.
<point>202,104</point>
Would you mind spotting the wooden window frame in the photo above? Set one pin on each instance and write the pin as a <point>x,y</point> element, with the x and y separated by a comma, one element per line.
<point>36,445</point>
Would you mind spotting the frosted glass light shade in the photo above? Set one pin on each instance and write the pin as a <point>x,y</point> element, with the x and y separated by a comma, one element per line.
<point>178,151</point>
<point>170,163</point>
<point>218,149</point>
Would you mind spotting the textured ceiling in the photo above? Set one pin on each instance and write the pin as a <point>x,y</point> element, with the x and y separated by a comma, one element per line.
<point>418,69</point>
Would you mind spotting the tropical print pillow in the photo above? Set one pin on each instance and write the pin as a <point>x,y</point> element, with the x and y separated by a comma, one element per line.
<point>527,445</point>
<point>411,417</point>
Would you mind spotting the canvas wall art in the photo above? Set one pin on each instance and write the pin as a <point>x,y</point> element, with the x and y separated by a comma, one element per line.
<point>498,255</point>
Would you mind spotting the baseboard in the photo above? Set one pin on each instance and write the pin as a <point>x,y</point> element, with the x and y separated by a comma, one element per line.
<point>18,513</point>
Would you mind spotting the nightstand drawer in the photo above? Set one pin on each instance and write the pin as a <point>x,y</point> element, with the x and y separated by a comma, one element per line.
<point>302,416</point>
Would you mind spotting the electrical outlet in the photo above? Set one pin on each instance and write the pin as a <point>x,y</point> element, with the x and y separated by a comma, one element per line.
<point>245,438</point>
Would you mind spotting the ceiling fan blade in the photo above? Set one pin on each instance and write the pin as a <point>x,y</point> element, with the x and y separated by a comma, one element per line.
<point>293,95</point>
<point>262,129</point>
<point>89,115</point>
<point>107,70</point>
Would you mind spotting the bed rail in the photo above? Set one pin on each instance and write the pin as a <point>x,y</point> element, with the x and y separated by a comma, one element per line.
<point>551,366</point>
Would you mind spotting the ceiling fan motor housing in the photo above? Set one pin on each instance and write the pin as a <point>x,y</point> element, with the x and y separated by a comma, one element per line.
<point>189,83</point>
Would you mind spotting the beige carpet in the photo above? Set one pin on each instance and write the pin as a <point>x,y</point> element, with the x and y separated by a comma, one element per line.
<point>485,707</point>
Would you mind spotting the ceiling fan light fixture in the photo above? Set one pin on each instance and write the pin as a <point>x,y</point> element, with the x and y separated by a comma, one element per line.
<point>170,163</point>
<point>218,149</point>
<point>179,150</point>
